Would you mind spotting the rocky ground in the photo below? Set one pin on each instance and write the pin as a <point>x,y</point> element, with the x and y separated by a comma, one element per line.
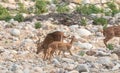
<point>17,50</point>
<point>18,47</point>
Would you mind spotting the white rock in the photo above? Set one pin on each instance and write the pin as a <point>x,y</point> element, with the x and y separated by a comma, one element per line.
<point>83,32</point>
<point>15,32</point>
<point>117,66</point>
<point>38,69</point>
<point>105,61</point>
<point>56,63</point>
<point>67,60</point>
<point>74,71</point>
<point>26,70</point>
<point>82,68</point>
<point>85,46</point>
<point>19,71</point>
<point>114,56</point>
<point>73,27</point>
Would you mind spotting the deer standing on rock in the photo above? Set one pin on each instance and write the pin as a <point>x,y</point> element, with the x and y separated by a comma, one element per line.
<point>51,37</point>
<point>61,46</point>
<point>110,32</point>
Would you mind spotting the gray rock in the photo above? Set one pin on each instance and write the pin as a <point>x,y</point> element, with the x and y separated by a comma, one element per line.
<point>67,60</point>
<point>56,63</point>
<point>38,69</point>
<point>85,45</point>
<point>116,67</point>
<point>82,68</point>
<point>15,32</point>
<point>74,71</point>
<point>105,61</point>
<point>83,32</point>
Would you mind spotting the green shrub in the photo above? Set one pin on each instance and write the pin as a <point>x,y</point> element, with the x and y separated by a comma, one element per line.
<point>83,22</point>
<point>88,9</point>
<point>62,8</point>
<point>113,7</point>
<point>100,21</point>
<point>4,13</point>
<point>110,46</point>
<point>40,6</point>
<point>37,25</point>
<point>19,18</point>
<point>81,53</point>
<point>22,8</point>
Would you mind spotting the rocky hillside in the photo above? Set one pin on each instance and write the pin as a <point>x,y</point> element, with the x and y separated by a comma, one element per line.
<point>18,37</point>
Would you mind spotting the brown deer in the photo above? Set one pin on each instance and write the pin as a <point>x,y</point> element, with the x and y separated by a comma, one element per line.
<point>54,36</point>
<point>61,46</point>
<point>110,32</point>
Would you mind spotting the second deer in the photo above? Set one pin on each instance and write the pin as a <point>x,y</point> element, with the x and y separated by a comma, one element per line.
<point>110,32</point>
<point>61,46</point>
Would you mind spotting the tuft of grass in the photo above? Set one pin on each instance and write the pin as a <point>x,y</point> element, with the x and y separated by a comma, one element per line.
<point>110,46</point>
<point>22,8</point>
<point>88,9</point>
<point>40,6</point>
<point>62,8</point>
<point>81,53</point>
<point>4,13</point>
<point>19,17</point>
<point>100,21</point>
<point>37,25</point>
<point>83,22</point>
<point>113,7</point>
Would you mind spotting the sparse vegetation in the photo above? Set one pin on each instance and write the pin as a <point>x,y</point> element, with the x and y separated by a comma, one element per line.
<point>113,8</point>
<point>100,21</point>
<point>22,8</point>
<point>19,17</point>
<point>40,6</point>
<point>62,8</point>
<point>83,22</point>
<point>81,53</point>
<point>4,13</point>
<point>110,46</point>
<point>37,25</point>
<point>88,9</point>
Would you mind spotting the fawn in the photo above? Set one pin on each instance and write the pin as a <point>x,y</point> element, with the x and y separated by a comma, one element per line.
<point>61,46</point>
<point>54,36</point>
<point>110,32</point>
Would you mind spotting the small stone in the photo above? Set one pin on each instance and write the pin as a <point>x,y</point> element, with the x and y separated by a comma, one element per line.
<point>82,68</point>
<point>114,56</point>
<point>38,69</point>
<point>67,60</point>
<point>15,32</point>
<point>74,71</point>
<point>83,32</point>
<point>56,63</point>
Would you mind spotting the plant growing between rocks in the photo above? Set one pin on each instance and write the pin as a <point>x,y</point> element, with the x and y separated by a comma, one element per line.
<point>62,8</point>
<point>110,46</point>
<point>100,21</point>
<point>37,25</point>
<point>113,8</point>
<point>4,13</point>
<point>40,6</point>
<point>88,9</point>
<point>19,17</point>
<point>22,8</point>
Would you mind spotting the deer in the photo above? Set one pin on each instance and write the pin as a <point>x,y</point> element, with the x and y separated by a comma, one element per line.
<point>54,36</point>
<point>110,32</point>
<point>61,46</point>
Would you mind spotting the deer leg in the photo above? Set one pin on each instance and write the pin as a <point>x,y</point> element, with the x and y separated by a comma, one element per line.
<point>106,40</point>
<point>59,52</point>
<point>70,53</point>
<point>45,54</point>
